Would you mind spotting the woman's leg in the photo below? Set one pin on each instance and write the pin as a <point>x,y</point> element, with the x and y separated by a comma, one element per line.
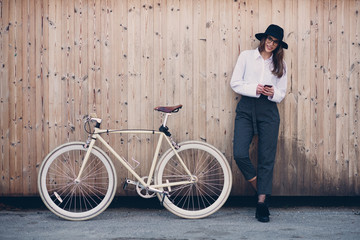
<point>268,128</point>
<point>243,134</point>
<point>267,144</point>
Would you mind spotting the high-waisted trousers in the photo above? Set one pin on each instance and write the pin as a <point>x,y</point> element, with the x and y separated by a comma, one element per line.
<point>257,116</point>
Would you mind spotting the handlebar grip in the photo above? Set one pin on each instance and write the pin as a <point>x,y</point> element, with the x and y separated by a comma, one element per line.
<point>97,120</point>
<point>94,118</point>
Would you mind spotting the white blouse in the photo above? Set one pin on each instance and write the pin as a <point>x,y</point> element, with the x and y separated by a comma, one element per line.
<point>250,70</point>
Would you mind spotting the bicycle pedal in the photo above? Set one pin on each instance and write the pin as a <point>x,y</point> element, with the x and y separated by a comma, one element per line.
<point>164,194</point>
<point>129,182</point>
<point>125,185</point>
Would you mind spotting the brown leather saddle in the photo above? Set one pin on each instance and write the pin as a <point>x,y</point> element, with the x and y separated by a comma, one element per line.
<point>168,109</point>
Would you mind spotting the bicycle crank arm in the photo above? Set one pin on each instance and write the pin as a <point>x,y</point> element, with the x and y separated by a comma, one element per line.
<point>158,191</point>
<point>150,189</point>
<point>128,181</point>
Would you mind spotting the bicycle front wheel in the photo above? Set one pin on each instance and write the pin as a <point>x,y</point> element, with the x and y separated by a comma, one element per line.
<point>72,199</point>
<point>213,182</point>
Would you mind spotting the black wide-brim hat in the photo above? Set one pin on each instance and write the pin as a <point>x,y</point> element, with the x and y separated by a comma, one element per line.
<point>276,32</point>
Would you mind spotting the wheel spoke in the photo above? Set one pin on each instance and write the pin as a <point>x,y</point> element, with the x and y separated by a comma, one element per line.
<point>76,199</point>
<point>210,188</point>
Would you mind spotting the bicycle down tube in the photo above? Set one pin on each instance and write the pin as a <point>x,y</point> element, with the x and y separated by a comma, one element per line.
<point>96,135</point>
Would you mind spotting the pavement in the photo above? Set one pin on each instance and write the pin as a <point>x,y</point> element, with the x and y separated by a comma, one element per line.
<point>133,218</point>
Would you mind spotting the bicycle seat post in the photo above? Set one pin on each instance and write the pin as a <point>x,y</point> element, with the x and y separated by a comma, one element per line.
<point>166,118</point>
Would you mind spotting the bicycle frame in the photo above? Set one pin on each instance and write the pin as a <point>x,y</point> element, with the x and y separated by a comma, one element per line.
<point>155,188</point>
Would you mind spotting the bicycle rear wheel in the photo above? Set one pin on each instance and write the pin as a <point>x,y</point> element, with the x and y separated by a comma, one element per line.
<point>76,200</point>
<point>213,180</point>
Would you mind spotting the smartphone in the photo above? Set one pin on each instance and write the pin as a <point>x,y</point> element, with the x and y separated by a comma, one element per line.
<point>269,86</point>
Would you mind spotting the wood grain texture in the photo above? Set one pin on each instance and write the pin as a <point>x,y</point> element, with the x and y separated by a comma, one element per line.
<point>62,59</point>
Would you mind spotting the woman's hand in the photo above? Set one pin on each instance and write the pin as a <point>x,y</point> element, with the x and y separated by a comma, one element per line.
<point>259,89</point>
<point>268,91</point>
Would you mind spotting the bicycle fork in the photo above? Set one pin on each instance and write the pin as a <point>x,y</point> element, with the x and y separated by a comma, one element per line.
<point>89,147</point>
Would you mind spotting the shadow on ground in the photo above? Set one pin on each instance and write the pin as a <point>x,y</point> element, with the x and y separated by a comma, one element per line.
<point>23,203</point>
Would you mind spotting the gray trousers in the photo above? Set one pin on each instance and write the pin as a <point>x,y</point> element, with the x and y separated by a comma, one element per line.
<point>257,116</point>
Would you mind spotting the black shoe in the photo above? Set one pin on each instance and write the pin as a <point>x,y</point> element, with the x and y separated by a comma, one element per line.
<point>262,212</point>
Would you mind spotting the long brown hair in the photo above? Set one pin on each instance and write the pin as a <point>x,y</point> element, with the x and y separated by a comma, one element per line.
<point>278,58</point>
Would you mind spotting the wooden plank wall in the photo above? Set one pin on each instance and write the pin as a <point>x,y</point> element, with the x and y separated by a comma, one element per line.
<point>61,59</point>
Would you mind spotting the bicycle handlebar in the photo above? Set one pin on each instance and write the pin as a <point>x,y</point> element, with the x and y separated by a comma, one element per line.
<point>91,118</point>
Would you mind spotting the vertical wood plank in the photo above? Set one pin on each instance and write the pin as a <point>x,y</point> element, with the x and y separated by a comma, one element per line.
<point>28,103</point>
<point>265,13</point>
<point>316,93</point>
<point>42,75</point>
<point>105,62</point>
<point>342,103</point>
<point>278,12</point>
<point>71,50</point>
<point>79,67</point>
<point>67,74</point>
<point>92,53</point>
<point>55,105</point>
<point>160,46</point>
<point>225,72</point>
<point>95,56</point>
<point>304,97</point>
<point>212,69</point>
<point>63,113</point>
<point>173,52</point>
<point>243,25</point>
<point>160,56</point>
<point>288,141</point>
<point>199,69</point>
<point>354,103</point>
<point>5,98</point>
<point>15,97</point>
<point>186,70</point>
<point>330,99</point>
<point>254,19</point>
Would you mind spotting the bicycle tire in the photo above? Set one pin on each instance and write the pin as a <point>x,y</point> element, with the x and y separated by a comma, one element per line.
<point>76,200</point>
<point>213,185</point>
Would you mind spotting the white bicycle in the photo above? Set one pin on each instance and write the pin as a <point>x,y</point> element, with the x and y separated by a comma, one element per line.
<point>77,180</point>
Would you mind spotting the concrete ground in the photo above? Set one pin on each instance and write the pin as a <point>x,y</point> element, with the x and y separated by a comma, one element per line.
<point>134,218</point>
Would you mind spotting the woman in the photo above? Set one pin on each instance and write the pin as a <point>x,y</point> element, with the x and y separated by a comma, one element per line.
<point>260,78</point>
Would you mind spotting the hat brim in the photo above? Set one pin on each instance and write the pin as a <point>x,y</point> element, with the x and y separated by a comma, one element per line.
<point>260,36</point>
